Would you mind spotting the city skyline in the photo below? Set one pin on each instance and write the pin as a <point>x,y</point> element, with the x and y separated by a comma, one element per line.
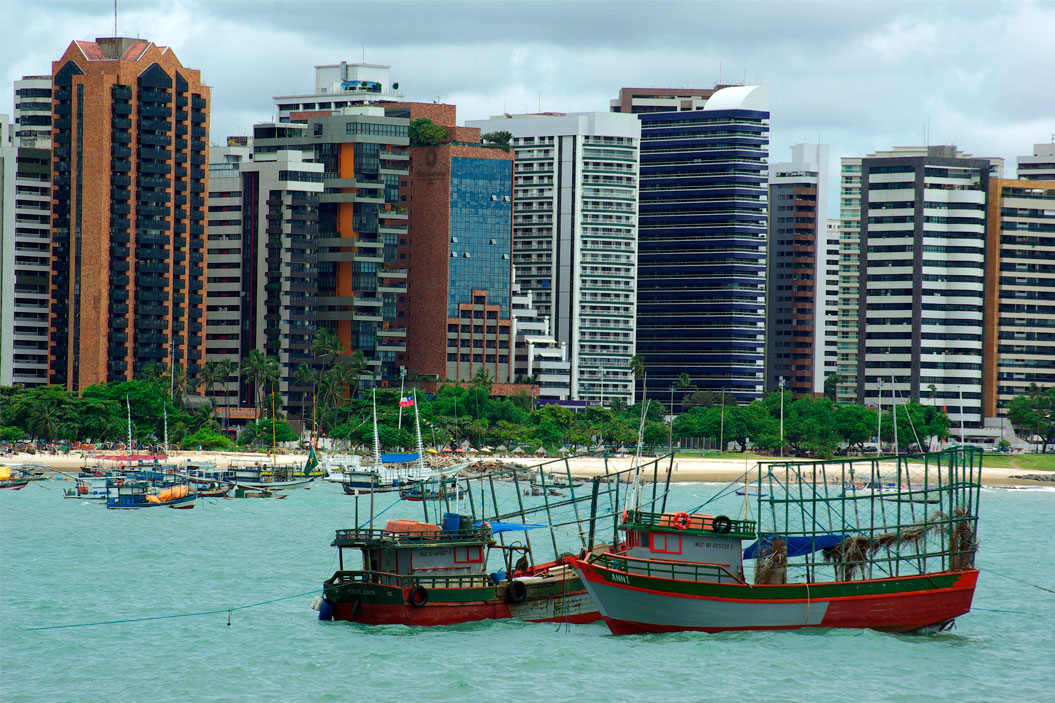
<point>875,75</point>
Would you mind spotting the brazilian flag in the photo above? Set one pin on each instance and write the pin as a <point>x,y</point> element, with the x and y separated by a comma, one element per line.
<point>312,463</point>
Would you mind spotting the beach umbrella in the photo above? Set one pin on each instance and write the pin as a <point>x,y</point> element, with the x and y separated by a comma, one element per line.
<point>430,450</point>
<point>502,448</point>
<point>564,451</point>
<point>518,450</point>
<point>485,450</point>
<point>541,451</point>
<point>621,450</point>
<point>581,450</point>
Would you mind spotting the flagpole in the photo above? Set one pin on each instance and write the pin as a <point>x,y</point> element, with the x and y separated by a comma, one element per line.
<point>402,378</point>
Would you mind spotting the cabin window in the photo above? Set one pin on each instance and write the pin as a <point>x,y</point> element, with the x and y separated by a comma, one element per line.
<point>666,543</point>
<point>468,555</point>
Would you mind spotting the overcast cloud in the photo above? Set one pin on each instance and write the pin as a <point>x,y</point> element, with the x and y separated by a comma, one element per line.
<point>858,76</point>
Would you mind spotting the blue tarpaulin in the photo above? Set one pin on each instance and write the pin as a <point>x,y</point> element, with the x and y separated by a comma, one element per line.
<point>497,527</point>
<point>797,546</point>
<point>399,458</point>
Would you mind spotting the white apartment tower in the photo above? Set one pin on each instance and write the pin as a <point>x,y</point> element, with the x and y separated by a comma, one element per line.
<point>1040,166</point>
<point>922,279</point>
<point>25,240</point>
<point>575,237</point>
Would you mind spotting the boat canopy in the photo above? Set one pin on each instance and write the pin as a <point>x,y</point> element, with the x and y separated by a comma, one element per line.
<point>797,546</point>
<point>497,526</point>
<point>399,458</point>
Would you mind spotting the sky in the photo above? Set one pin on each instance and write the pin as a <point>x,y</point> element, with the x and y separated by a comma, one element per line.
<point>859,76</point>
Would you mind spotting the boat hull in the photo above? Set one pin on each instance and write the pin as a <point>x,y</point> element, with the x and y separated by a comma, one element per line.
<point>184,503</point>
<point>377,604</point>
<point>631,603</point>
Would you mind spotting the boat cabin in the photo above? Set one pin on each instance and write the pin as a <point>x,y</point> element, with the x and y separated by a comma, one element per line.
<point>706,540</point>
<point>408,553</point>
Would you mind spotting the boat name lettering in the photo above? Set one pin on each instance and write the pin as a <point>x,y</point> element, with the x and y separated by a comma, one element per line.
<point>715,544</point>
<point>621,578</point>
<point>433,552</point>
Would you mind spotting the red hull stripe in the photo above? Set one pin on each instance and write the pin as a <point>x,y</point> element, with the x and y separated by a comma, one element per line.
<point>440,614</point>
<point>965,580</point>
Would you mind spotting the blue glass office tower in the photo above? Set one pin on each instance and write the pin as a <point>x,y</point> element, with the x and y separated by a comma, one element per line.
<point>702,238</point>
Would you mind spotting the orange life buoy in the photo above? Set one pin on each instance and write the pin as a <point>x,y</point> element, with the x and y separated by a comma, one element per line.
<point>681,521</point>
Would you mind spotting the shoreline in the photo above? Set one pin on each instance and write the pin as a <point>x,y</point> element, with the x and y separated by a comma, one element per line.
<point>685,469</point>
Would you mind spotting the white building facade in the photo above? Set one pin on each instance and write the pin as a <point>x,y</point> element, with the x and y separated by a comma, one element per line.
<point>575,238</point>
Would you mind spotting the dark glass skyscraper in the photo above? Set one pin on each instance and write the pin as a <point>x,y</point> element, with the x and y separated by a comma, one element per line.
<point>702,237</point>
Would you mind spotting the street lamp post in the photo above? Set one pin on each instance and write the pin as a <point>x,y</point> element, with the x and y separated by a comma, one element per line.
<point>781,417</point>
<point>721,425</point>
<point>670,425</point>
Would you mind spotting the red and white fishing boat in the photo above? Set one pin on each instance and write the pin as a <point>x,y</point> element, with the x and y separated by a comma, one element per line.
<point>818,556</point>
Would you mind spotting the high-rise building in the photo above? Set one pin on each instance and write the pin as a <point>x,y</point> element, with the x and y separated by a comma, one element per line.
<point>1040,166</point>
<point>538,356</point>
<point>1020,290</point>
<point>362,230</point>
<point>702,236</point>
<point>338,86</point>
<point>130,147</point>
<point>796,284</point>
<point>263,242</point>
<point>831,303</point>
<point>459,197</point>
<point>849,277</point>
<point>32,124</point>
<point>922,279</point>
<point>25,251</point>
<point>575,237</point>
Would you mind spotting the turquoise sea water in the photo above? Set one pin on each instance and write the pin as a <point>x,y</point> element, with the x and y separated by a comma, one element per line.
<point>66,561</point>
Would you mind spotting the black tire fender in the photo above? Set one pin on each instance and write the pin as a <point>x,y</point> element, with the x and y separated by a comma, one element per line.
<point>722,524</point>
<point>419,596</point>
<point>516,592</point>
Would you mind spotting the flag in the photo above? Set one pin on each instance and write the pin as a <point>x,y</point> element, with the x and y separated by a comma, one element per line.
<point>406,402</point>
<point>313,461</point>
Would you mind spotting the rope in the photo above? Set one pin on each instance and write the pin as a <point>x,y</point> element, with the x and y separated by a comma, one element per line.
<point>1012,578</point>
<point>182,615</point>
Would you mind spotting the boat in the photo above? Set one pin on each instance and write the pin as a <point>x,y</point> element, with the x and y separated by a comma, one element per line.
<point>273,478</point>
<point>15,480</point>
<point>432,490</point>
<point>478,563</point>
<point>818,556</point>
<point>135,494</point>
<point>88,488</point>
<point>556,480</point>
<point>389,473</point>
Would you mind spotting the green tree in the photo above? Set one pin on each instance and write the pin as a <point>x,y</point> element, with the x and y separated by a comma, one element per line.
<point>206,439</point>
<point>831,386</point>
<point>261,371</point>
<point>500,138</point>
<point>638,369</point>
<point>1034,413</point>
<point>425,132</point>
<point>855,425</point>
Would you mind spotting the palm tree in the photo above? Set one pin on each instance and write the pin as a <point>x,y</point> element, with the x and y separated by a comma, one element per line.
<point>209,376</point>
<point>176,377</point>
<point>261,371</point>
<point>305,377</point>
<point>484,378</point>
<point>326,343</point>
<point>637,367</point>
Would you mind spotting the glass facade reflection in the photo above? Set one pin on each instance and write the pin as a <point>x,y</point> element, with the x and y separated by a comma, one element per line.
<point>480,229</point>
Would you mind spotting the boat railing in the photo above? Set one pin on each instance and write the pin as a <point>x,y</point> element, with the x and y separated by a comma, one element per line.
<point>674,570</point>
<point>387,578</point>
<point>360,535</point>
<point>693,523</point>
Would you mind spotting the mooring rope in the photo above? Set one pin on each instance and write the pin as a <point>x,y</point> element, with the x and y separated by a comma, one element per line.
<point>1012,578</point>
<point>183,615</point>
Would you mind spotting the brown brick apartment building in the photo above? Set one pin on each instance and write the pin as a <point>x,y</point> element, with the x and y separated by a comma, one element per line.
<point>130,135</point>
<point>460,198</point>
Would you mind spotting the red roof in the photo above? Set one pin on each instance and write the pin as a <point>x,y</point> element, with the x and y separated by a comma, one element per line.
<point>91,50</point>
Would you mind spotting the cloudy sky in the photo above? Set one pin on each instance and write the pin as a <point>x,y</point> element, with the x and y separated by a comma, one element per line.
<point>858,76</point>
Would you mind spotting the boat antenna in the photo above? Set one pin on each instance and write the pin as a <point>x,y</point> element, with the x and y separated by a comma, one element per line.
<point>377,441</point>
<point>165,411</point>
<point>635,504</point>
<point>421,447</point>
<point>274,444</point>
<point>128,406</point>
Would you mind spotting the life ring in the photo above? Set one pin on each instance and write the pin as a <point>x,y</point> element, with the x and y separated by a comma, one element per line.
<point>681,521</point>
<point>516,592</point>
<point>722,525</point>
<point>419,596</point>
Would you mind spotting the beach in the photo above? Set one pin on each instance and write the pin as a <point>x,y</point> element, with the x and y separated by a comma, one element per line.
<point>684,468</point>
